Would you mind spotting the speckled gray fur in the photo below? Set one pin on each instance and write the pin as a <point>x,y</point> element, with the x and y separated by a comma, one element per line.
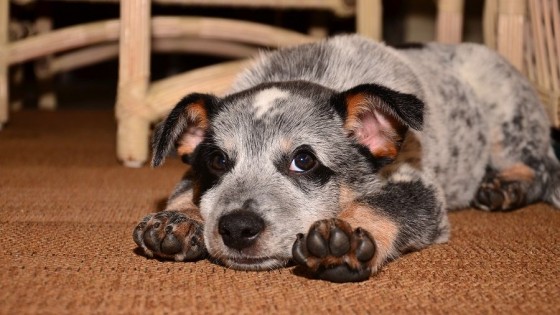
<point>479,114</point>
<point>474,100</point>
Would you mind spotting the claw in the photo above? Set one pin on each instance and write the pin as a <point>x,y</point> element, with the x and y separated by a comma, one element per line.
<point>316,244</point>
<point>151,240</point>
<point>171,245</point>
<point>339,243</point>
<point>365,250</point>
<point>299,251</point>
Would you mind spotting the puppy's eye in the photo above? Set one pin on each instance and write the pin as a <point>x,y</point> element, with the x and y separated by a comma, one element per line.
<point>218,162</point>
<point>303,162</point>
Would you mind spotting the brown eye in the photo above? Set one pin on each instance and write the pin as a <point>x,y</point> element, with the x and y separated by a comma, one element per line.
<point>218,162</point>
<point>303,162</point>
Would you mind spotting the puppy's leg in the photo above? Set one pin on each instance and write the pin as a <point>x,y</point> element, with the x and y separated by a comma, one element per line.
<point>173,234</point>
<point>403,216</point>
<point>506,189</point>
<point>522,167</point>
<point>519,185</point>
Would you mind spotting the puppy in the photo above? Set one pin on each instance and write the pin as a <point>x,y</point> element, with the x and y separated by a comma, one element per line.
<point>344,154</point>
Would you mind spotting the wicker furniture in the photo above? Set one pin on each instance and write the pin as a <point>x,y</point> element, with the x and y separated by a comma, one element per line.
<point>141,102</point>
<point>527,33</point>
<point>449,21</point>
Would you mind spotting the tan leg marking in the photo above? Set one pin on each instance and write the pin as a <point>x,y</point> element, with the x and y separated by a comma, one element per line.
<point>517,172</point>
<point>346,196</point>
<point>383,230</point>
<point>184,203</point>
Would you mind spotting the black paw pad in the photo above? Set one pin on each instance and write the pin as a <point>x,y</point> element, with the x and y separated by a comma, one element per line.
<point>366,247</point>
<point>497,195</point>
<point>332,251</point>
<point>316,244</point>
<point>152,237</point>
<point>171,245</point>
<point>299,250</point>
<point>493,199</point>
<point>339,242</point>
<point>343,273</point>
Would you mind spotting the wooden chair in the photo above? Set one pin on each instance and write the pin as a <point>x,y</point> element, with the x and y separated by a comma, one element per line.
<point>45,43</point>
<point>527,33</point>
<point>449,21</point>
<point>141,102</point>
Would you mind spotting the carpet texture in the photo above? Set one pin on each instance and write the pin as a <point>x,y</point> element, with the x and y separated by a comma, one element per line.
<point>67,210</point>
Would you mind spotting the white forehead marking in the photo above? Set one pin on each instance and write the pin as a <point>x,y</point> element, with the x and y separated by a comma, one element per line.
<point>265,100</point>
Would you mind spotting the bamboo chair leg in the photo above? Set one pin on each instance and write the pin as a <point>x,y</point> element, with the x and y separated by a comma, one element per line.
<point>511,21</point>
<point>133,133</point>
<point>4,99</point>
<point>369,18</point>
<point>132,113</point>
<point>43,69</point>
<point>489,21</point>
<point>449,24</point>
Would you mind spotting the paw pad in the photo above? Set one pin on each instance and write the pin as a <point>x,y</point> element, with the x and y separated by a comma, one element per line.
<point>332,251</point>
<point>498,195</point>
<point>170,235</point>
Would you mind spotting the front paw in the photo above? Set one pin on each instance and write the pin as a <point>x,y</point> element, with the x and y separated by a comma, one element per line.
<point>170,235</point>
<point>332,251</point>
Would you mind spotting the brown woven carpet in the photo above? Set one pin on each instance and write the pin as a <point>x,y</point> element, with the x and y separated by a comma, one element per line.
<point>67,210</point>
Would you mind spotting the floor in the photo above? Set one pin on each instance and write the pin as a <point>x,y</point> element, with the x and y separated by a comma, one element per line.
<point>67,210</point>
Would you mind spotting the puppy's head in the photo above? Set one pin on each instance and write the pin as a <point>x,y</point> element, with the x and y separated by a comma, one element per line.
<point>269,161</point>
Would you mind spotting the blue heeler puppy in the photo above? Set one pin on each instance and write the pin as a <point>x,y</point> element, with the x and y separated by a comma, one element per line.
<point>344,154</point>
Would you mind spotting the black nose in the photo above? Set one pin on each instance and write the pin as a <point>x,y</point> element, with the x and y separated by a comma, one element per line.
<point>240,229</point>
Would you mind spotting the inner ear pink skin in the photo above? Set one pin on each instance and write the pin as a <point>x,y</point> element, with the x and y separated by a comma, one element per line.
<point>190,140</point>
<point>377,133</point>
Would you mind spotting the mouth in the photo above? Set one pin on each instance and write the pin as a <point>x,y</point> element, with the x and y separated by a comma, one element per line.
<point>254,263</point>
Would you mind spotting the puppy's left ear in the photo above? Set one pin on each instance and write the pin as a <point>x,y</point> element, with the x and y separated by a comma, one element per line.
<point>378,117</point>
<point>184,128</point>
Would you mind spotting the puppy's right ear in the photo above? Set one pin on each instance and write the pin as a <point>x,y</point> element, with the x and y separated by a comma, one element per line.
<point>184,128</point>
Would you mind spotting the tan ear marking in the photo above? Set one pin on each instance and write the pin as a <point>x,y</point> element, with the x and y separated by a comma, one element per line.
<point>355,105</point>
<point>189,140</point>
<point>196,113</point>
<point>388,151</point>
<point>378,131</point>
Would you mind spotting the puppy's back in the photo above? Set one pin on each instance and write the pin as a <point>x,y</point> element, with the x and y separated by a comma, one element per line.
<point>339,63</point>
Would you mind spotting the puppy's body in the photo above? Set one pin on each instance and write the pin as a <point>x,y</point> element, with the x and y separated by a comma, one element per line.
<point>362,146</point>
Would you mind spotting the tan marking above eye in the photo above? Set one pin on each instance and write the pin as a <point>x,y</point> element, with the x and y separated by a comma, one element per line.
<point>286,145</point>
